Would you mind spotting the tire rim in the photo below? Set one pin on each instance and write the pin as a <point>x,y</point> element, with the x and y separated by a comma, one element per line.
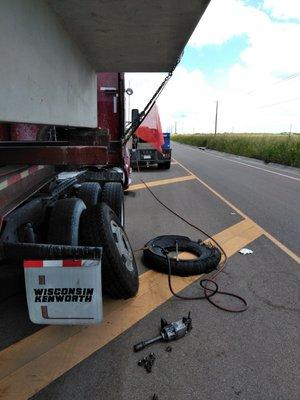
<point>123,245</point>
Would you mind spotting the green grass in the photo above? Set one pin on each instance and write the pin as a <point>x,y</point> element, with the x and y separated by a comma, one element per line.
<point>280,149</point>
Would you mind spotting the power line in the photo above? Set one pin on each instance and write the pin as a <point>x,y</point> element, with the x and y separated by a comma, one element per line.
<point>296,75</point>
<point>280,102</point>
<point>287,78</point>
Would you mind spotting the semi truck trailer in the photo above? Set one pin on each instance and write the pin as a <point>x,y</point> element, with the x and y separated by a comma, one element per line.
<point>66,201</point>
<point>64,163</point>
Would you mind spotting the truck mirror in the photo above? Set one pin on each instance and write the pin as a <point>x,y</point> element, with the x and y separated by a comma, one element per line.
<point>129,91</point>
<point>135,115</point>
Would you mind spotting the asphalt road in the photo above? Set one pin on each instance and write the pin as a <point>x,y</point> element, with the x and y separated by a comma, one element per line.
<point>227,356</point>
<point>269,194</point>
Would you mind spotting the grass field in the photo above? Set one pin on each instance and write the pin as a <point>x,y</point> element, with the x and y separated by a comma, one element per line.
<point>280,149</point>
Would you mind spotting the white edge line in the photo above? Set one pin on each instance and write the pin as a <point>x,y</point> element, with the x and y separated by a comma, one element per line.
<point>253,166</point>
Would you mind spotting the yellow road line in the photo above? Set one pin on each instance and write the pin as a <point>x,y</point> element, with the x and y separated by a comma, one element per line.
<point>267,234</point>
<point>234,237</point>
<point>33,363</point>
<point>162,182</point>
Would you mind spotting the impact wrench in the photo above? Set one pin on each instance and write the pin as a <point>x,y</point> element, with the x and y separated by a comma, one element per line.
<point>168,332</point>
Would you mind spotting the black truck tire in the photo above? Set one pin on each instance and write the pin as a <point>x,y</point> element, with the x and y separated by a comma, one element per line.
<point>113,195</point>
<point>89,193</point>
<point>207,259</point>
<point>64,222</point>
<point>99,226</point>
<point>164,165</point>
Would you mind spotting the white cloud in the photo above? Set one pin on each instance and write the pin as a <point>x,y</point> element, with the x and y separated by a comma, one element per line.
<point>186,98</point>
<point>272,45</point>
<point>273,49</point>
<point>144,85</point>
<point>192,99</point>
<point>252,87</point>
<point>283,9</point>
<point>225,19</point>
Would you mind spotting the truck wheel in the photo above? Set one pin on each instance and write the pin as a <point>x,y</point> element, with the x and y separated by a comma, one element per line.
<point>113,195</point>
<point>164,165</point>
<point>99,226</point>
<point>64,222</point>
<point>89,193</point>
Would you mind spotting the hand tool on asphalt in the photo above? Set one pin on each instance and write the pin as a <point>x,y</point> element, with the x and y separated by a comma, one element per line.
<point>147,362</point>
<point>168,332</point>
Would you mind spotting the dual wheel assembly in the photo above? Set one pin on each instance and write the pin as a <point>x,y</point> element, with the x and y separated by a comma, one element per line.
<point>95,217</point>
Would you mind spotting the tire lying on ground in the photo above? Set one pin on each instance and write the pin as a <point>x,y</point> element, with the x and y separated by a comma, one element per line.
<point>100,226</point>
<point>89,193</point>
<point>113,195</point>
<point>64,221</point>
<point>205,258</point>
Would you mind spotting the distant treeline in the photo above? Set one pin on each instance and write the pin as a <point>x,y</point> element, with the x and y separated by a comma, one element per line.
<point>281,149</point>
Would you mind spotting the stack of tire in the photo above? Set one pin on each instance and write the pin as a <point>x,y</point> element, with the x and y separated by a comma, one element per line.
<point>95,217</point>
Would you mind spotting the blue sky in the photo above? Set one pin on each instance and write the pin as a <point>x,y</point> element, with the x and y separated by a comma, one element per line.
<point>215,60</point>
<point>259,4</point>
<point>254,3</point>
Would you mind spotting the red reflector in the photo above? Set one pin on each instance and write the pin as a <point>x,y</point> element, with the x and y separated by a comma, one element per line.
<point>72,263</point>
<point>33,263</point>
<point>13,179</point>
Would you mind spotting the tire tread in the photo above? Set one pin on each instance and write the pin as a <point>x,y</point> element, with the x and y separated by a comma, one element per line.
<point>117,281</point>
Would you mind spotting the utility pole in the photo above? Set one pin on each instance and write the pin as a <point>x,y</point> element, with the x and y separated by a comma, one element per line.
<point>216,117</point>
<point>128,99</point>
<point>290,130</point>
<point>175,127</point>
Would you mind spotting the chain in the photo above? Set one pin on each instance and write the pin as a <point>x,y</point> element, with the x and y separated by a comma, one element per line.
<point>135,124</point>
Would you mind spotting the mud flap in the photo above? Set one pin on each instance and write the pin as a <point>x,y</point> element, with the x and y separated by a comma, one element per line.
<point>64,292</point>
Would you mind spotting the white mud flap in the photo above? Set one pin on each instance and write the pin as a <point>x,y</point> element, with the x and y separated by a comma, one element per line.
<point>64,292</point>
